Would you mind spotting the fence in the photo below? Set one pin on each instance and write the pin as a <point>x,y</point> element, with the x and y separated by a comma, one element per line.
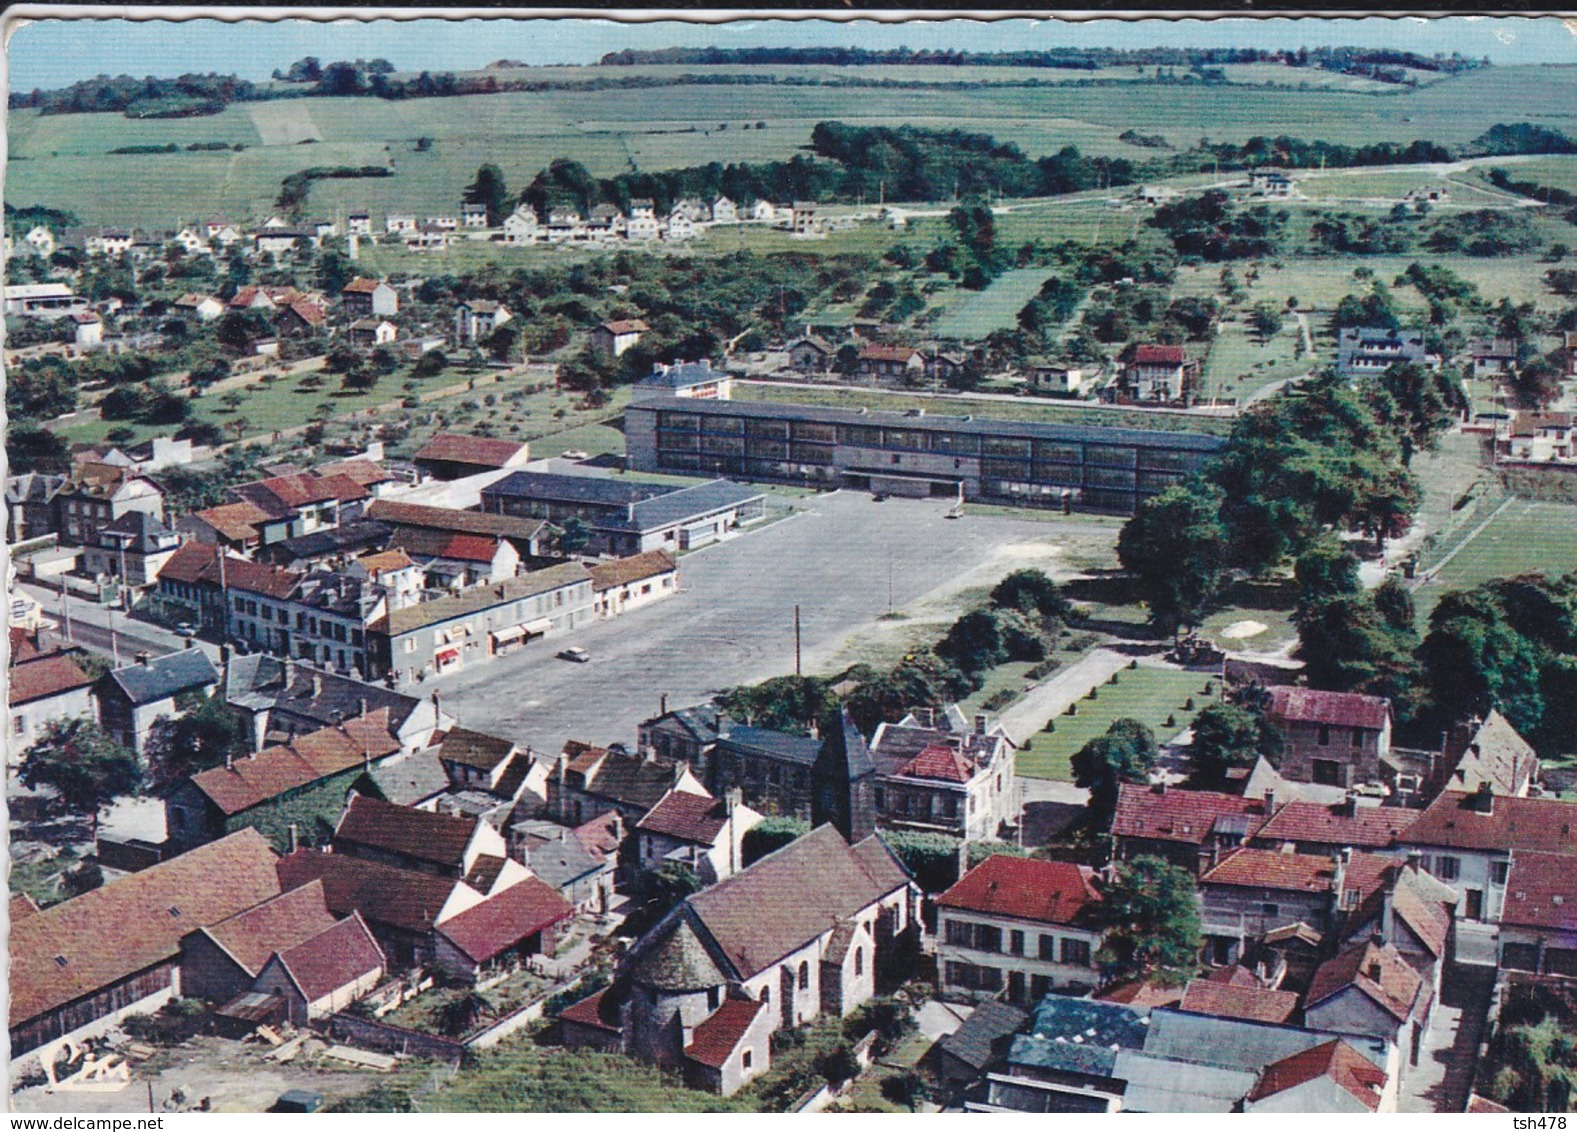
<point>384,1038</point>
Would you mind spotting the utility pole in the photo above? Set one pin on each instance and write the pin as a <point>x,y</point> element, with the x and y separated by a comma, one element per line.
<point>796,641</point>
<point>109,613</point>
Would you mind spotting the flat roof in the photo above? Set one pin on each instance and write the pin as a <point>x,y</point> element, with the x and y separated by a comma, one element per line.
<point>935,422</point>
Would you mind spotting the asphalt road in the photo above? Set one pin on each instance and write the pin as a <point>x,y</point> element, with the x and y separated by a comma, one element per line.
<point>90,628</point>
<point>733,621</point>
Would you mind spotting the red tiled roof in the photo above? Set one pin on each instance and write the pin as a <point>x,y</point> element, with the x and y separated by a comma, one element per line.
<point>1141,993</point>
<point>362,286</point>
<point>698,818</point>
<point>277,924</point>
<point>875,353</point>
<point>83,945</point>
<point>236,521</point>
<point>626,326</point>
<point>1250,1003</point>
<point>1235,975</point>
<point>1296,872</point>
<point>419,516</point>
<point>494,926</point>
<point>384,561</point>
<point>1379,972</point>
<point>470,548</point>
<point>363,472</point>
<point>303,488</point>
<point>48,676</point>
<point>257,578</point>
<point>22,906</point>
<point>1047,892</point>
<point>1367,826</point>
<point>399,897</point>
<point>320,754</point>
<point>335,957</point>
<point>1187,816</point>
<point>1538,824</point>
<point>1334,1059</point>
<point>635,568</point>
<point>588,1012</point>
<point>1159,355</point>
<point>1484,1104</point>
<point>598,835</point>
<point>439,839</point>
<point>308,311</point>
<point>940,762</point>
<point>1541,892</point>
<point>1290,704</point>
<point>719,1036</point>
<point>482,450</point>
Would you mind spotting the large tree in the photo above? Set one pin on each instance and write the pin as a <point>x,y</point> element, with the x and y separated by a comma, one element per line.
<point>1127,752</point>
<point>1176,547</point>
<point>1228,736</point>
<point>201,738</point>
<point>489,189</point>
<point>85,767</point>
<point>1151,908</point>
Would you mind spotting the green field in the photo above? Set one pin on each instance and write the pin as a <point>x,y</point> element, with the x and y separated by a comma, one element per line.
<point>995,308</point>
<point>1006,408</point>
<point>1239,365</point>
<point>62,160</point>
<point>1150,695</point>
<point>1525,537</point>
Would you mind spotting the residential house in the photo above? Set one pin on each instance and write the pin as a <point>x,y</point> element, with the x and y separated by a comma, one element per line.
<point>236,526</point>
<point>802,218</point>
<point>1538,437</point>
<point>643,223</point>
<point>1326,829</point>
<point>523,920</point>
<point>1367,350</point>
<point>1161,374</point>
<point>1330,738</point>
<point>440,845</point>
<point>688,826</point>
<point>1053,377</point>
<point>724,211</point>
<point>278,241</point>
<point>326,973</point>
<point>131,698</point>
<point>629,517</point>
<point>1018,928</point>
<point>811,354</point>
<point>629,583</point>
<point>32,509</point>
<point>358,224</point>
<point>468,628</point>
<point>453,455</point>
<point>371,298</point>
<point>612,338</point>
<point>473,214</point>
<point>417,780</point>
<point>1193,829</point>
<point>302,317</point>
<point>606,222</point>
<point>1538,919</point>
<point>774,770</point>
<point>81,966</point>
<point>1489,750</point>
<point>450,561</point>
<point>475,320</point>
<point>556,856</point>
<point>46,685</point>
<point>40,241</point>
<point>132,549</point>
<point>97,495</point>
<point>221,960</point>
<point>1493,358</point>
<point>900,362</point>
<point>1467,841</point>
<point>1246,999</point>
<point>330,546</point>
<point>1369,989</point>
<point>221,232</point>
<point>1332,1077</point>
<point>799,934</point>
<point>532,538</point>
<point>368,333</point>
<point>522,226</point>
<point>979,1044</point>
<point>399,223</point>
<point>42,300</point>
<point>292,793</point>
<point>87,330</point>
<point>587,782</point>
<point>940,772</point>
<point>1254,892</point>
<point>280,700</point>
<point>300,503</point>
<point>679,227</point>
<point>687,379</point>
<point>761,210</point>
<point>204,308</point>
<point>565,226</point>
<point>684,735</point>
<point>96,241</point>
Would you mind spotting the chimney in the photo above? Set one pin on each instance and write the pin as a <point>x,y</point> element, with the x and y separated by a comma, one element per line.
<point>317,685</point>
<point>188,643</point>
<point>229,761</point>
<point>1388,910</point>
<point>363,707</point>
<point>438,708</point>
<point>980,724</point>
<point>733,798</point>
<point>662,704</point>
<point>1270,803</point>
<point>295,838</point>
<point>142,659</point>
<point>1159,786</point>
<point>1349,806</point>
<point>1415,860</point>
<point>815,730</point>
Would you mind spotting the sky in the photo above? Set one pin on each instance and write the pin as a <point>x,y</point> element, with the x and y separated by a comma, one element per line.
<point>55,52</point>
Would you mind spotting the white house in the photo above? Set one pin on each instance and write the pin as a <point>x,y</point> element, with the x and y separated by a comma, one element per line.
<point>399,222</point>
<point>358,224</point>
<point>40,241</point>
<point>473,215</point>
<point>689,826</point>
<point>522,226</point>
<point>475,319</point>
<point>643,223</point>
<point>724,211</point>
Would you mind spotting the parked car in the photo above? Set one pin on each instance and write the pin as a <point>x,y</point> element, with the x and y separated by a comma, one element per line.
<point>575,454</point>
<point>186,629</point>
<point>576,654</point>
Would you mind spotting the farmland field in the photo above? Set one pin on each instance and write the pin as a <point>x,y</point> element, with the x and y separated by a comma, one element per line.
<point>995,308</point>
<point>1150,695</point>
<point>61,160</point>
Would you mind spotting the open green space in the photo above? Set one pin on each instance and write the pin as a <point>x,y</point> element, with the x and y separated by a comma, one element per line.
<point>1150,695</point>
<point>996,307</point>
<point>1520,537</point>
<point>62,159</point>
<point>1240,365</point>
<point>1013,409</point>
<point>1004,678</point>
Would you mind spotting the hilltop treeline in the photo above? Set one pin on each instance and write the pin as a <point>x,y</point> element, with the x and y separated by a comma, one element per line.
<point>1346,60</point>
<point>904,163</point>
<point>182,97</point>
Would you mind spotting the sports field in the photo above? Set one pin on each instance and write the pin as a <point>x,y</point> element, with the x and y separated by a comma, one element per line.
<point>63,160</point>
<point>995,308</point>
<point>1150,695</point>
<point>1519,537</point>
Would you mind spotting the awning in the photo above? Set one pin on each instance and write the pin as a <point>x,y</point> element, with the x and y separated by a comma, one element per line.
<point>513,633</point>
<point>446,655</point>
<point>539,626</point>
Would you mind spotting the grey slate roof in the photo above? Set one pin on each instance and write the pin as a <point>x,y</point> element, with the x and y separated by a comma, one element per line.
<point>800,749</point>
<point>263,683</point>
<point>360,534</point>
<point>600,490</point>
<point>1157,1085</point>
<point>844,752</point>
<point>1233,1043</point>
<point>554,853</point>
<point>935,422</point>
<point>684,504</point>
<point>165,676</point>
<point>682,375</point>
<point>144,531</point>
<point>408,781</point>
<point>1079,1035</point>
<point>981,1039</point>
<point>649,506</point>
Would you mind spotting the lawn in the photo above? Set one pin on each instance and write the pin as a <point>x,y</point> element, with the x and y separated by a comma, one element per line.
<point>996,307</point>
<point>1150,695</point>
<point>1240,365</point>
<point>1003,678</point>
<point>1526,537</point>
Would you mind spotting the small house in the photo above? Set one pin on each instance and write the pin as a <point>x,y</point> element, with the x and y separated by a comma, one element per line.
<point>131,698</point>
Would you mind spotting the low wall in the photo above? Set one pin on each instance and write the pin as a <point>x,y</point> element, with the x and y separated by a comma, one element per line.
<point>384,1038</point>
<point>516,1019</point>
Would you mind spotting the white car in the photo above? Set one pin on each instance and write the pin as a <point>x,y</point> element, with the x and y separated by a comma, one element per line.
<point>574,454</point>
<point>576,654</point>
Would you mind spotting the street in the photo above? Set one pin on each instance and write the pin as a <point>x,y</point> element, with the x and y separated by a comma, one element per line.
<point>841,557</point>
<point>90,625</point>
